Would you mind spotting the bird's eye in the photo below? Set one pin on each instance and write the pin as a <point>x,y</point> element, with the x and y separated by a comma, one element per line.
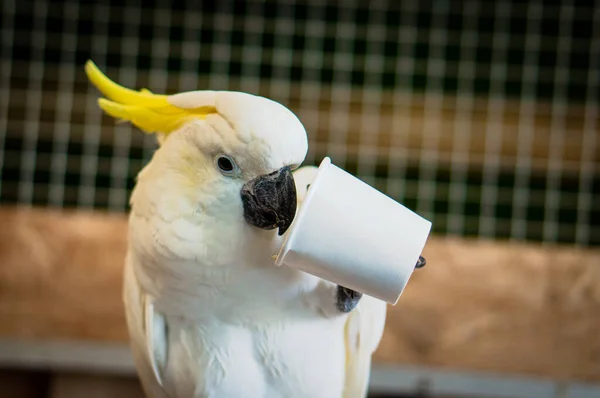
<point>225,164</point>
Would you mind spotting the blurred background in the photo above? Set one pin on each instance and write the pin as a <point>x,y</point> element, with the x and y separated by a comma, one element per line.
<point>480,116</point>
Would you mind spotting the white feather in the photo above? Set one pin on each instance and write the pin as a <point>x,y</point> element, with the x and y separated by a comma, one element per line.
<point>209,314</point>
<point>363,333</point>
<point>156,341</point>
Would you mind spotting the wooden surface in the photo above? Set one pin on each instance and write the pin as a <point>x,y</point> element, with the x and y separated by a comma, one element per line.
<point>483,306</point>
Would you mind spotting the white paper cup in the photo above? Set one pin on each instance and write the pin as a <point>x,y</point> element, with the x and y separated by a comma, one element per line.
<point>351,234</point>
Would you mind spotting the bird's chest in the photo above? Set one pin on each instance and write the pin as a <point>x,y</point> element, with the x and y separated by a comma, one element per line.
<point>291,359</point>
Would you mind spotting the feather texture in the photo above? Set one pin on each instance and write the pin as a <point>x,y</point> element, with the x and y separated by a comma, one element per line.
<point>209,314</point>
<point>151,113</point>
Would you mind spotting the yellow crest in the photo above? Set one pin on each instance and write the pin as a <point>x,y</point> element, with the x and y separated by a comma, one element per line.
<point>151,113</point>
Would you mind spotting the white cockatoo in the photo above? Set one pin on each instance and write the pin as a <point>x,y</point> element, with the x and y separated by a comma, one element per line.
<point>208,312</point>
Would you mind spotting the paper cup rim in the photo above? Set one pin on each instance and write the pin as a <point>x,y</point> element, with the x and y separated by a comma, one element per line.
<point>289,240</point>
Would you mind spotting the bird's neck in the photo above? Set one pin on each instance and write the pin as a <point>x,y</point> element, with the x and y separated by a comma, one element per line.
<point>250,285</point>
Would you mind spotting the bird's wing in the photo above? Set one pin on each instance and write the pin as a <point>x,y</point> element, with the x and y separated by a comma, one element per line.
<point>363,332</point>
<point>147,333</point>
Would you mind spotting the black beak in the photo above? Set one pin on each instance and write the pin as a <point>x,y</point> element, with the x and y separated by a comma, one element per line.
<point>421,262</point>
<point>270,201</point>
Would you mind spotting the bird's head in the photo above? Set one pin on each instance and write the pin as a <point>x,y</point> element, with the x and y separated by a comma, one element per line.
<point>224,157</point>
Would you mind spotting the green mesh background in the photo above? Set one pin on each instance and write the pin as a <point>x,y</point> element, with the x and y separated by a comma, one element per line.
<point>482,116</point>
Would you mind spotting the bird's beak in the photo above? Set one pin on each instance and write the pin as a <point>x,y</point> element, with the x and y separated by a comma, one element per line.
<point>270,200</point>
<point>420,262</point>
